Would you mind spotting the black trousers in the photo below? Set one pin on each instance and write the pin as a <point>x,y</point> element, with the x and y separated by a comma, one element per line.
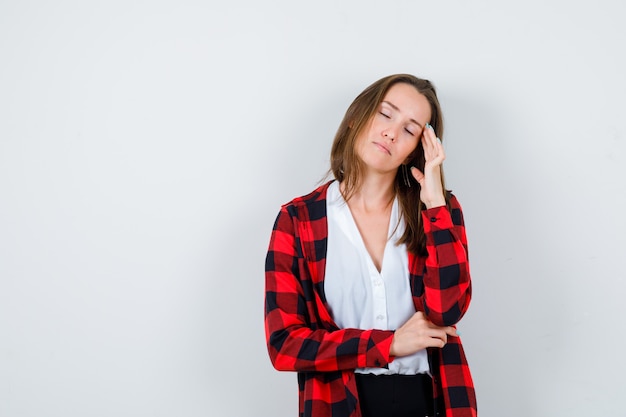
<point>395,395</point>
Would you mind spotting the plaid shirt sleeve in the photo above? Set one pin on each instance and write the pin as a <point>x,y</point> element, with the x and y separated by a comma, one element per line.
<point>442,289</point>
<point>446,276</point>
<point>300,333</point>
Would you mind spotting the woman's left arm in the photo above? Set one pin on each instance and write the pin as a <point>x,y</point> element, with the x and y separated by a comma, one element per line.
<point>447,285</point>
<point>447,282</point>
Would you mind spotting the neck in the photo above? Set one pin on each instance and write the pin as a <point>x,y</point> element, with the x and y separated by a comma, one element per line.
<point>375,193</point>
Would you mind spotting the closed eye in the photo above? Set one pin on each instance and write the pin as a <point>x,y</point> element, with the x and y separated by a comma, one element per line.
<point>384,114</point>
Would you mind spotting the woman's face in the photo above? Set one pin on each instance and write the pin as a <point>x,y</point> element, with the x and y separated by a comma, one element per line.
<point>394,131</point>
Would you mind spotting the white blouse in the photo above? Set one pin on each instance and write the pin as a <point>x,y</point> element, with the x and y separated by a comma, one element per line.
<point>358,295</point>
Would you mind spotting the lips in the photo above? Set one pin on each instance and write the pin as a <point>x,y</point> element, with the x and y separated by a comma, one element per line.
<point>382,147</point>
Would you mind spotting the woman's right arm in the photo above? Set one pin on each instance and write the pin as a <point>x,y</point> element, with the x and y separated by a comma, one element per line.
<point>294,332</point>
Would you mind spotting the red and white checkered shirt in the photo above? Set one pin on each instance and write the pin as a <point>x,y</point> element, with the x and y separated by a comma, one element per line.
<point>302,337</point>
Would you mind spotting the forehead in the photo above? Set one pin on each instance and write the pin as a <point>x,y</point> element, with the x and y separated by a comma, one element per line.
<point>409,101</point>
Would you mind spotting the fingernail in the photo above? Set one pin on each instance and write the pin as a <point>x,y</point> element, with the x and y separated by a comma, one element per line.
<point>429,126</point>
<point>439,140</point>
<point>458,333</point>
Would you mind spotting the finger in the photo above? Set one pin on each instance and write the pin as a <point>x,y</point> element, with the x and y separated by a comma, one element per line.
<point>431,144</point>
<point>434,153</point>
<point>451,331</point>
<point>438,152</point>
<point>429,129</point>
<point>419,177</point>
<point>441,337</point>
<point>435,143</point>
<point>434,343</point>
<point>429,134</point>
<point>427,141</point>
<point>445,331</point>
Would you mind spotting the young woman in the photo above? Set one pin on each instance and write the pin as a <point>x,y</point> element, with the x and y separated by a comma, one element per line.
<point>367,275</point>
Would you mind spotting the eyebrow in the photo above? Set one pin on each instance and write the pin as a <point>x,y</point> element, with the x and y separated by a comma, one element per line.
<point>397,109</point>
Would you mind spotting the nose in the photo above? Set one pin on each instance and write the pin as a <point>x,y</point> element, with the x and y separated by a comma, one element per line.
<point>389,134</point>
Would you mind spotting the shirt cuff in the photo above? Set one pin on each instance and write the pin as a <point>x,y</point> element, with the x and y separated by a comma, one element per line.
<point>437,218</point>
<point>378,347</point>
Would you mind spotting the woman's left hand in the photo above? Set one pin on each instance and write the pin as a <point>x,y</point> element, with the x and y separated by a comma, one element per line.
<point>431,192</point>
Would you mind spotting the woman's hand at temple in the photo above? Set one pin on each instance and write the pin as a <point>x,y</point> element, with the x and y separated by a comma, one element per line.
<point>430,182</point>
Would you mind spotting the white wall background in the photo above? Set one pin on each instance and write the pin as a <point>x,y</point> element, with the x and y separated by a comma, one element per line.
<point>146,146</point>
